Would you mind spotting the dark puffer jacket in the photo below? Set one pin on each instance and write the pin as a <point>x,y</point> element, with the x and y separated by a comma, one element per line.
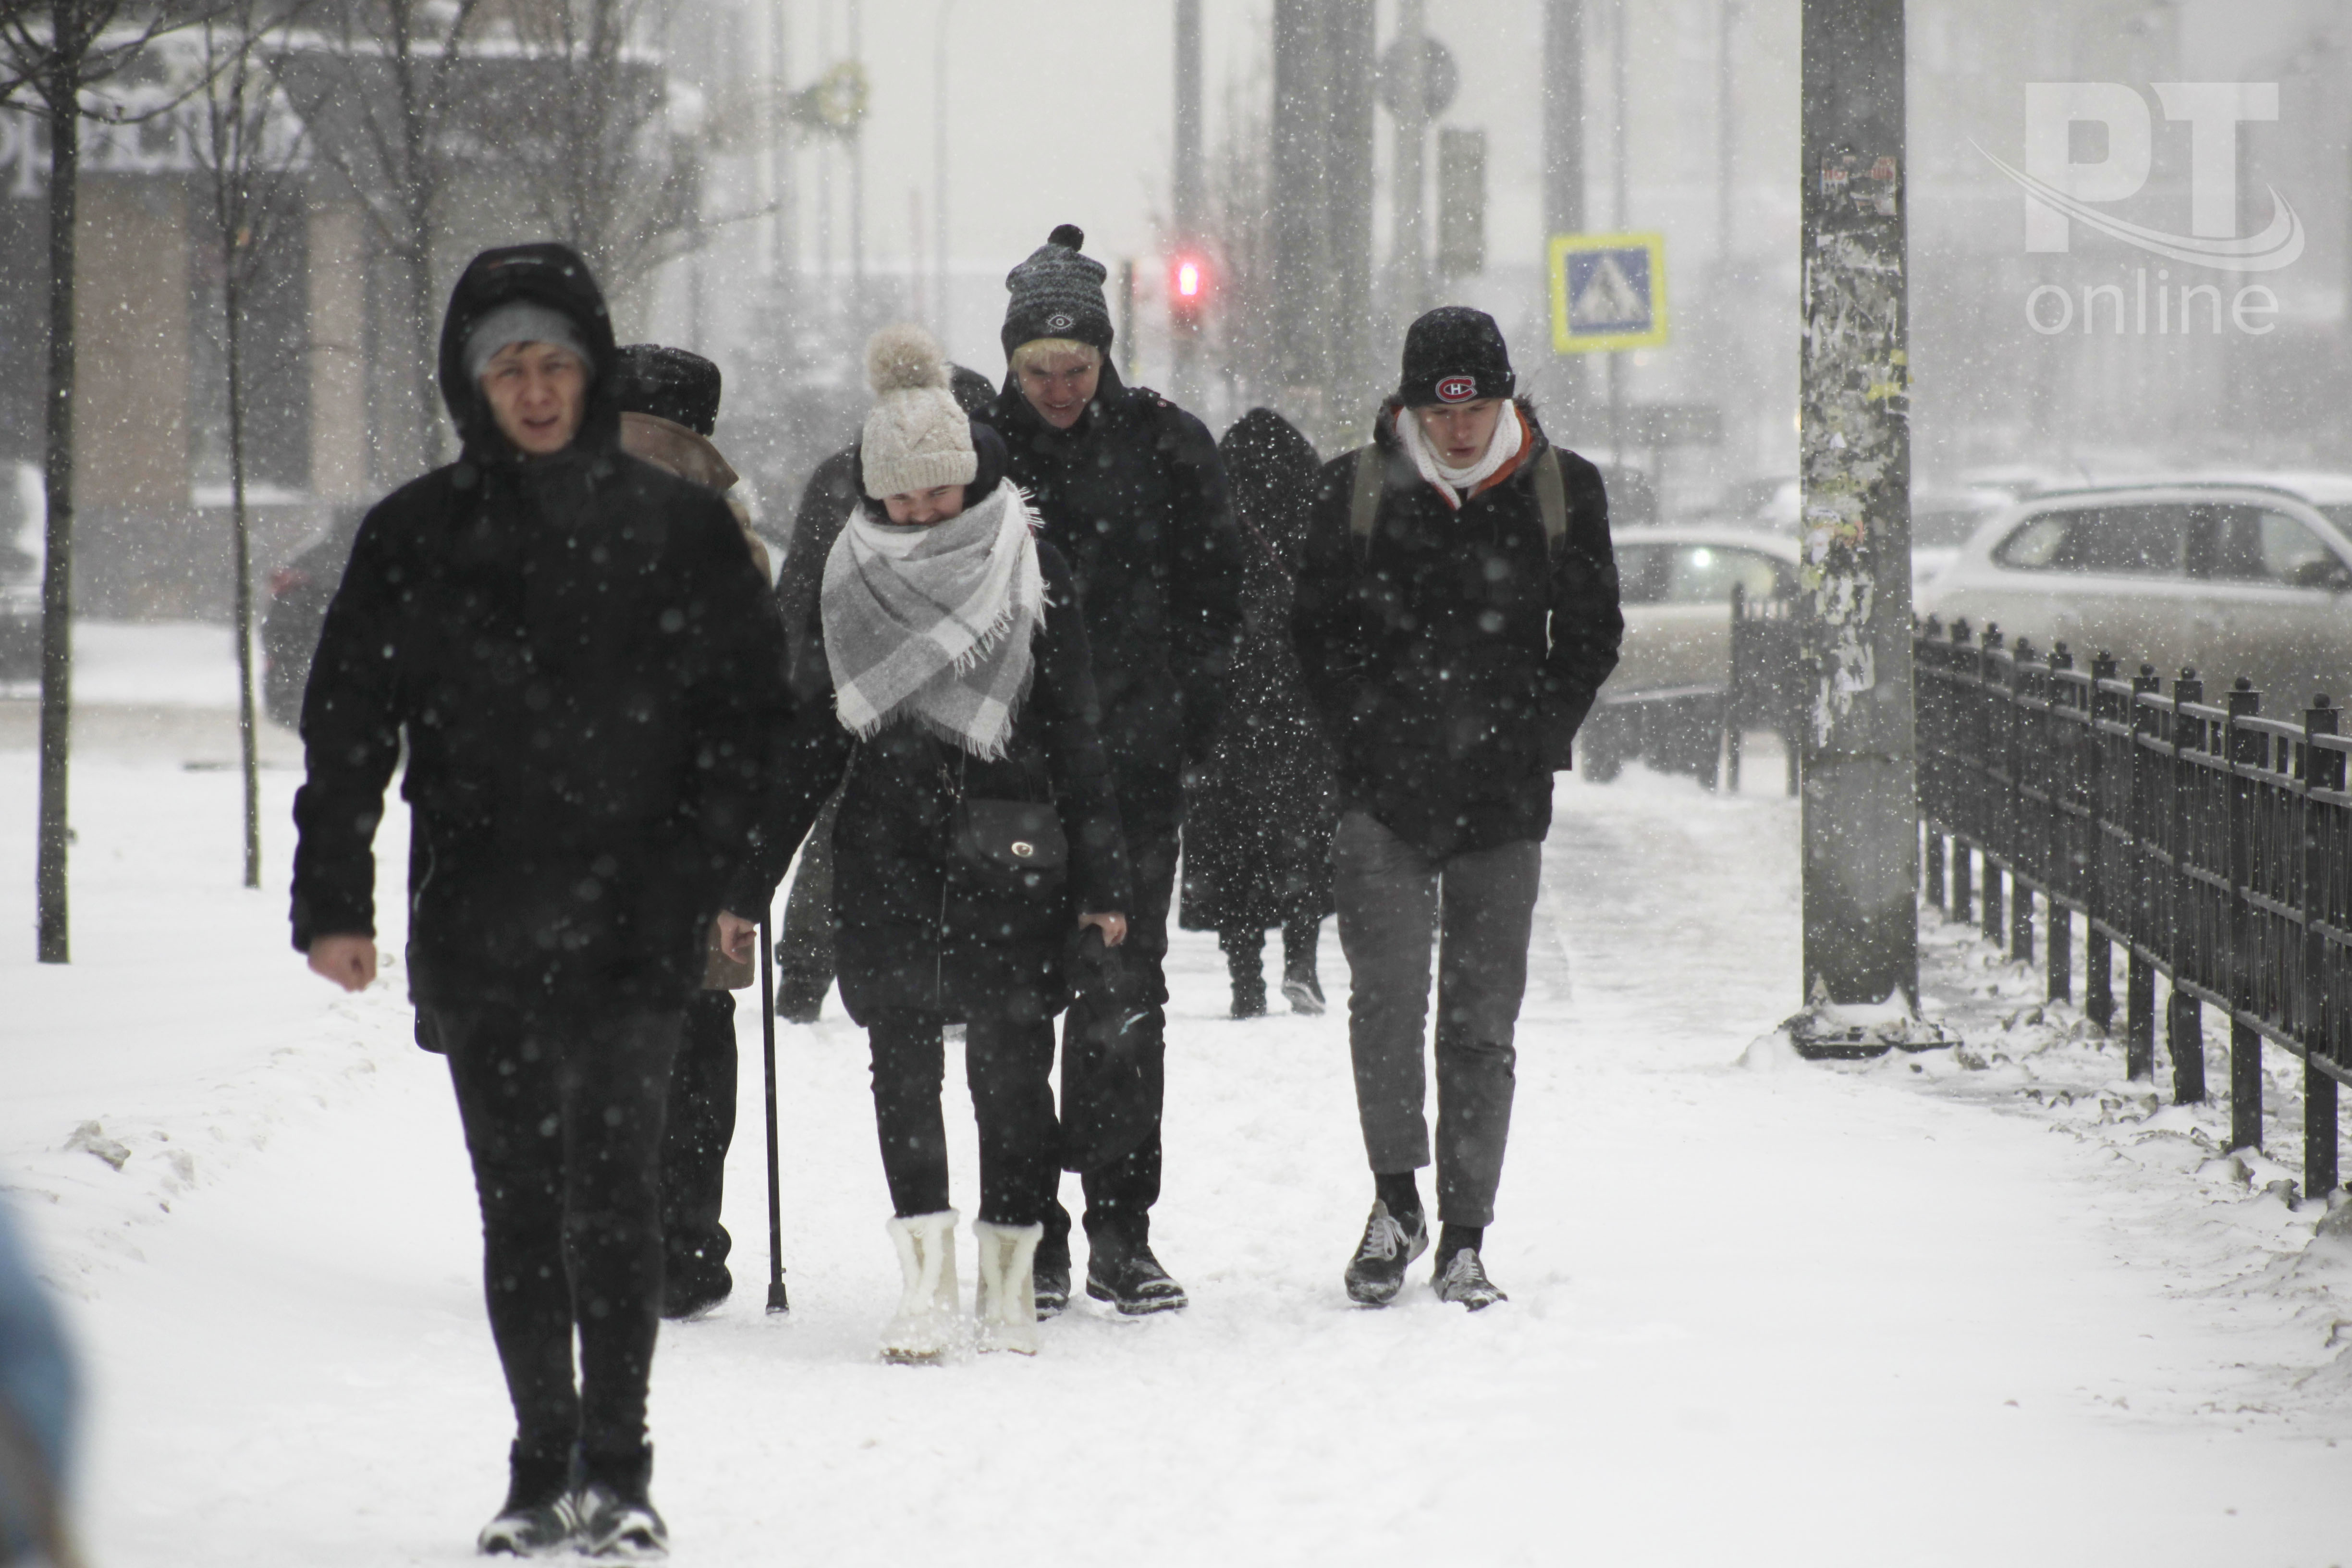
<point>1258,817</point>
<point>908,931</point>
<point>1450,662</point>
<point>1133,496</point>
<point>589,673</point>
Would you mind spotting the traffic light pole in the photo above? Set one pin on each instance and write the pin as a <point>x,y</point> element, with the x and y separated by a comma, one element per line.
<point>1860,764</point>
<point>1184,327</point>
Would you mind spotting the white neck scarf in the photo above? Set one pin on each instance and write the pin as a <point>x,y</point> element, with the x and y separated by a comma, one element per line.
<point>1456,484</point>
<point>935,624</point>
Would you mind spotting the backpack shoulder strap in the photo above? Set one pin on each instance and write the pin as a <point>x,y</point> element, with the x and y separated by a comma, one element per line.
<point>1551,498</point>
<point>1364,502</point>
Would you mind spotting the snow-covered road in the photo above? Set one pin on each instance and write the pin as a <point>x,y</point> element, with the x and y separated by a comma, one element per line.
<point>1790,1315</point>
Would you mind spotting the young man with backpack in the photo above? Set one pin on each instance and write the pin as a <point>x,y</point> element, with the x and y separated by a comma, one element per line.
<point>1457,612</point>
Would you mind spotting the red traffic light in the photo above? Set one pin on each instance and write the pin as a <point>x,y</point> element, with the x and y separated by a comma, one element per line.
<point>1188,288</point>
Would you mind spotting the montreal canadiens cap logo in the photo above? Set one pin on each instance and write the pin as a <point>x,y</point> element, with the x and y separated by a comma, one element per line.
<point>1060,321</point>
<point>1458,389</point>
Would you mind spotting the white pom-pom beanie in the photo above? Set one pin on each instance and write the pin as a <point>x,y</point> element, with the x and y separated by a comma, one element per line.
<point>917,439</point>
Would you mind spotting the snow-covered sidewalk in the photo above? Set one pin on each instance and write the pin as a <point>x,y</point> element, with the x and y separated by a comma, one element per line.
<point>1805,1315</point>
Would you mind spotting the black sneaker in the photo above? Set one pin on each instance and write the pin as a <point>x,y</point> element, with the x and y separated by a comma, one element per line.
<point>1462,1279</point>
<point>537,1520</point>
<point>796,1003</point>
<point>1303,992</point>
<point>686,1295</point>
<point>621,1528</point>
<point>1376,1273</point>
<point>1049,1280</point>
<point>1132,1280</point>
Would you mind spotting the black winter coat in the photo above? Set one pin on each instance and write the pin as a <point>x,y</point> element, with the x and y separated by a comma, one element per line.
<point>1133,496</point>
<point>907,931</point>
<point>827,502</point>
<point>1258,817</point>
<point>588,672</point>
<point>1450,661</point>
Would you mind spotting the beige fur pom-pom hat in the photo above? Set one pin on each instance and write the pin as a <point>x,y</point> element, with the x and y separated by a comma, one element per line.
<point>916,438</point>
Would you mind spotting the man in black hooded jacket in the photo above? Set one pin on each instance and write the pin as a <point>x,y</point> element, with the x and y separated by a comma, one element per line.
<point>1132,493</point>
<point>588,673</point>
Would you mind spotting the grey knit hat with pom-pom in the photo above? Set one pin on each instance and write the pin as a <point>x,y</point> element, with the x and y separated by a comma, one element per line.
<point>1057,293</point>
<point>917,436</point>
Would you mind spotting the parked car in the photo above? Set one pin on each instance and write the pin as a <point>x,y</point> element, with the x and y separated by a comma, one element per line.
<point>2233,578</point>
<point>1665,701</point>
<point>299,594</point>
<point>1942,521</point>
<point>23,510</point>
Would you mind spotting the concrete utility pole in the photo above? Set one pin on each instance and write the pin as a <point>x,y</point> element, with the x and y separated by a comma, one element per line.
<point>1322,221</point>
<point>1563,162</point>
<point>1190,216</point>
<point>1861,809</point>
<point>1408,201</point>
<point>941,312</point>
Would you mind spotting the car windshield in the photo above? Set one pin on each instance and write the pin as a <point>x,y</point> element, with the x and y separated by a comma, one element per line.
<point>1704,574</point>
<point>2137,540</point>
<point>1945,527</point>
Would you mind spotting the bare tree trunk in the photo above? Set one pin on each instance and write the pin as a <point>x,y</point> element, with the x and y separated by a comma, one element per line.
<point>56,571</point>
<point>232,301</point>
<point>424,346</point>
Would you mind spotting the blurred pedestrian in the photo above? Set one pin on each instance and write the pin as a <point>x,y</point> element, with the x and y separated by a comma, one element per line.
<point>1457,614</point>
<point>1258,817</point>
<point>588,677</point>
<point>805,943</point>
<point>976,834</point>
<point>1131,493</point>
<point>40,1399</point>
<point>668,400</point>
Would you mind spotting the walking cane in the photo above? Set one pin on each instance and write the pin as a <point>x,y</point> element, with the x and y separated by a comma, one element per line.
<point>776,1301</point>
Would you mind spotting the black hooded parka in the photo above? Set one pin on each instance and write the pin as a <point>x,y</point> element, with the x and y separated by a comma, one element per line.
<point>589,675</point>
<point>1258,817</point>
<point>1452,655</point>
<point>1134,498</point>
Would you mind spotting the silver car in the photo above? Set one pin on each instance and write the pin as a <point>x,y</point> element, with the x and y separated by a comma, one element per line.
<point>2232,578</point>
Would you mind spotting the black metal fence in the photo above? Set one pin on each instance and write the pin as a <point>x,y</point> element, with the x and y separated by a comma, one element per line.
<point>2210,842</point>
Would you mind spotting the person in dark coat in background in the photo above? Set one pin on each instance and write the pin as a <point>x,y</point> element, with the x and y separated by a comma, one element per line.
<point>1257,818</point>
<point>1453,633</point>
<point>956,670</point>
<point>804,942</point>
<point>668,400</point>
<point>589,677</point>
<point>1133,496</point>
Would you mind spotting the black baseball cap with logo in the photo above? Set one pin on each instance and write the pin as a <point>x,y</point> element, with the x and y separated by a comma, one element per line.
<point>1455,355</point>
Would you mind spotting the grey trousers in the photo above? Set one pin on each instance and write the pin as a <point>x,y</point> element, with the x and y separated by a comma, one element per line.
<point>1393,900</point>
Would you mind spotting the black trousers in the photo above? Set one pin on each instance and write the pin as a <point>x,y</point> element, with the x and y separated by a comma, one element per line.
<point>697,1132</point>
<point>1010,1067</point>
<point>1120,1191</point>
<point>563,1119</point>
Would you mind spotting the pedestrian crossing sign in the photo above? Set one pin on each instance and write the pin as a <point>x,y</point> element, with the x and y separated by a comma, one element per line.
<point>1608,292</point>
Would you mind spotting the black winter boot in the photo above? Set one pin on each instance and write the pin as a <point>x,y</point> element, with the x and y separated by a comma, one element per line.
<point>1246,962</point>
<point>538,1518</point>
<point>1127,1276</point>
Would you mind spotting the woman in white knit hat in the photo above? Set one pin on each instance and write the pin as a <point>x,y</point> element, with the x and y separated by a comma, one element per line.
<point>978,838</point>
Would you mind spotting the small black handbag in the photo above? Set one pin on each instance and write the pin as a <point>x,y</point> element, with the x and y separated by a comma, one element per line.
<point>1007,845</point>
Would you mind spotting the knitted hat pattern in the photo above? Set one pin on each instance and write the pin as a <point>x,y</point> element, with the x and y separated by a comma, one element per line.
<point>1057,293</point>
<point>916,438</point>
<point>1455,355</point>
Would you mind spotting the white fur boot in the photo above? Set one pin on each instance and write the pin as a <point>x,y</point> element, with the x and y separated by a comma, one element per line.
<point>927,1322</point>
<point>1008,1286</point>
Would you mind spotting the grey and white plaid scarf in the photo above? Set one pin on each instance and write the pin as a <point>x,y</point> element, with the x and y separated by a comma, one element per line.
<point>935,622</point>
